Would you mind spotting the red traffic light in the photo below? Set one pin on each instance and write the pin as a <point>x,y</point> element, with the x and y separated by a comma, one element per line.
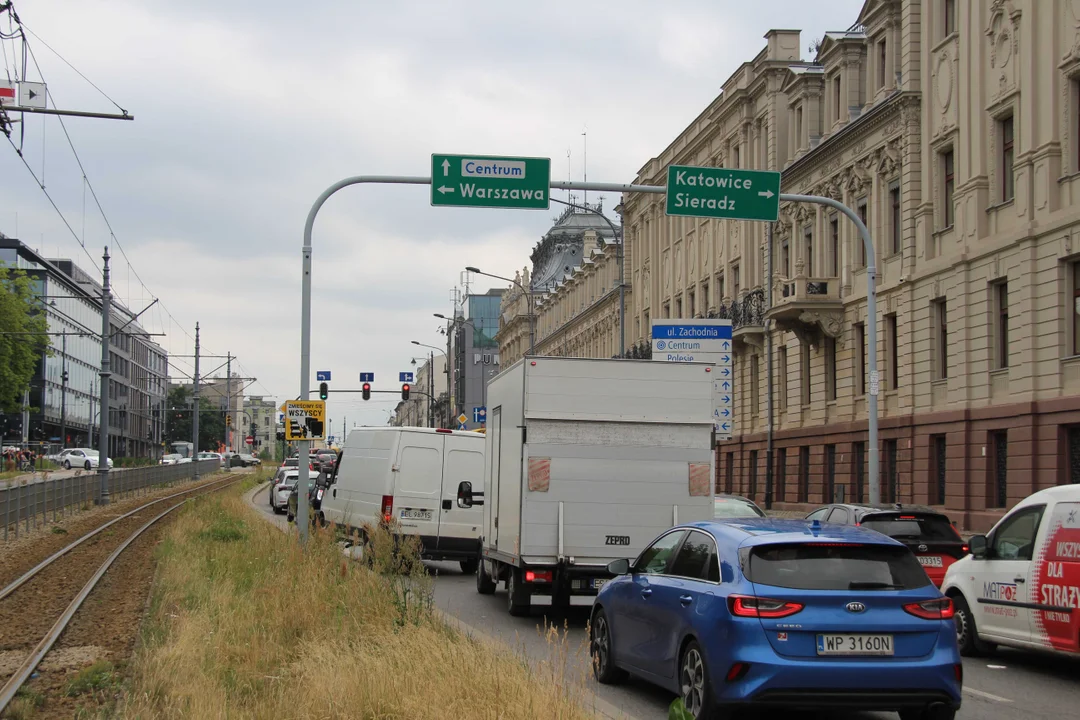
<point>405,391</point>
<point>366,391</point>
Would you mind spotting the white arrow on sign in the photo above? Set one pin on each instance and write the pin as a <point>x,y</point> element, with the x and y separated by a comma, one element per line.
<point>443,189</point>
<point>766,193</point>
<point>445,167</point>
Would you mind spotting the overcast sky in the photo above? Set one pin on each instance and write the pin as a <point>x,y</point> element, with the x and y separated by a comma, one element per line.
<point>246,110</point>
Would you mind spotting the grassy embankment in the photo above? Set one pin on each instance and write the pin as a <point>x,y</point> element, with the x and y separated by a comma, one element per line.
<point>245,624</point>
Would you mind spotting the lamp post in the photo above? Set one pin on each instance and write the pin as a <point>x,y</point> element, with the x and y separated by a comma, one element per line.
<point>431,379</point>
<point>528,302</point>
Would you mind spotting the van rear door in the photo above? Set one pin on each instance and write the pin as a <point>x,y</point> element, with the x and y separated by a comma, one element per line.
<point>418,485</point>
<point>459,528</point>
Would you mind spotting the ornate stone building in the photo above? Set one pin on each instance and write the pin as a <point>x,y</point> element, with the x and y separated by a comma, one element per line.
<point>953,128</point>
<point>575,293</point>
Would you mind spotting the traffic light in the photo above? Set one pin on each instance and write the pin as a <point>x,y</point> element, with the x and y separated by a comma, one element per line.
<point>324,390</point>
<point>228,420</point>
<point>366,391</point>
<point>405,391</point>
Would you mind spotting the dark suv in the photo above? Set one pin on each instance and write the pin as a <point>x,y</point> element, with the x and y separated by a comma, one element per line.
<point>325,460</point>
<point>928,533</point>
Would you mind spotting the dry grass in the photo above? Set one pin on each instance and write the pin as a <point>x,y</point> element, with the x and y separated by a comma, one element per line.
<point>245,625</point>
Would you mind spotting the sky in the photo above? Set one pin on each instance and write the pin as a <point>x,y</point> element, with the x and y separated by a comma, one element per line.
<point>246,111</point>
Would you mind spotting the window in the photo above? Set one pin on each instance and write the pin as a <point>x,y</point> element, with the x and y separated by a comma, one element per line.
<point>678,308</point>
<point>941,339</point>
<point>798,128</point>
<point>1075,267</point>
<point>804,373</point>
<point>834,247</point>
<point>808,250</point>
<point>839,516</point>
<point>828,490</point>
<point>804,474</point>
<point>729,473</point>
<point>667,310</point>
<point>892,351</point>
<point>860,366</point>
<point>781,473</point>
<point>883,55</point>
<point>737,155</point>
<point>697,558</point>
<point>735,279</point>
<point>656,558</point>
<point>785,258</point>
<point>830,368</point>
<point>781,373</point>
<point>1001,325</point>
<point>860,471</point>
<point>997,493</point>
<point>950,17</point>
<point>861,210</point>
<point>691,305</point>
<point>890,493</point>
<point>1015,538</point>
<point>818,514</point>
<point>1072,442</point>
<point>1007,153</point>
<point>948,185</point>
<point>894,216</point>
<point>836,96</point>
<point>752,488</point>
<point>720,294</point>
<point>938,458</point>
<point>754,385</point>
<point>705,296</point>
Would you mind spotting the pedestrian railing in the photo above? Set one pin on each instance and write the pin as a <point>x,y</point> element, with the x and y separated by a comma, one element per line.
<point>34,501</point>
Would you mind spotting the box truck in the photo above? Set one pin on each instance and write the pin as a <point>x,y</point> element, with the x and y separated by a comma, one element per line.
<point>586,462</point>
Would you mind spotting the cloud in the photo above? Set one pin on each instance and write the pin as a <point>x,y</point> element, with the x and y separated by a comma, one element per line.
<point>246,111</point>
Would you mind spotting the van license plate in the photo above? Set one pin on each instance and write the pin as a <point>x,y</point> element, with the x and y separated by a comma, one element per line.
<point>930,561</point>
<point>415,514</point>
<point>854,644</point>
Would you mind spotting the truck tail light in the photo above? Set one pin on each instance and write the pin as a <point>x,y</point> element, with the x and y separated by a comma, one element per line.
<point>936,609</point>
<point>748,606</point>
<point>387,508</point>
<point>538,576</point>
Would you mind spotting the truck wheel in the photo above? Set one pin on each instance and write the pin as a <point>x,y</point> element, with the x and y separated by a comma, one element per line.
<point>515,594</point>
<point>484,584</point>
<point>468,567</point>
<point>967,634</point>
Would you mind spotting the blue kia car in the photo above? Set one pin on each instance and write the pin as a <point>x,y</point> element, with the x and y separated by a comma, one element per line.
<point>764,612</point>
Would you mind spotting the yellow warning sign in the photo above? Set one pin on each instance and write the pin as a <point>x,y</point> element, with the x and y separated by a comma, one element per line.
<point>305,419</point>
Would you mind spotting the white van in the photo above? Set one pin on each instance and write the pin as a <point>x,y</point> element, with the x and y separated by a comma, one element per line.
<point>1021,584</point>
<point>411,475</point>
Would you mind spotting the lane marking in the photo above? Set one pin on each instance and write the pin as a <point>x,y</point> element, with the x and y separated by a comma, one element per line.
<point>986,695</point>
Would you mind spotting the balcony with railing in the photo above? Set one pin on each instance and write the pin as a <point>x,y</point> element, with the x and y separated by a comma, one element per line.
<point>807,306</point>
<point>747,315</point>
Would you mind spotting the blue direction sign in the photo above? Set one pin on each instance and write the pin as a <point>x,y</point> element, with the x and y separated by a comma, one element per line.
<point>367,377</point>
<point>479,414</point>
<point>322,376</point>
<point>406,377</point>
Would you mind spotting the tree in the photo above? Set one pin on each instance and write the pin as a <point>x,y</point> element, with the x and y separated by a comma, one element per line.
<point>20,313</point>
<point>178,420</point>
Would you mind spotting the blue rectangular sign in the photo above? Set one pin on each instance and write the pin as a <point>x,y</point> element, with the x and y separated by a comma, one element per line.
<point>367,377</point>
<point>406,377</point>
<point>691,332</point>
<point>322,375</point>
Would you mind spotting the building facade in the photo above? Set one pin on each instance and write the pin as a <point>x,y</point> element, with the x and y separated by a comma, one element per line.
<point>414,412</point>
<point>475,353</point>
<point>260,415</point>
<point>67,411</point>
<point>574,283</point>
<point>951,128</point>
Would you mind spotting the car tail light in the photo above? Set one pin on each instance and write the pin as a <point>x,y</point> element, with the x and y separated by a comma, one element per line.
<point>444,430</point>
<point>908,517</point>
<point>737,671</point>
<point>936,609</point>
<point>539,576</point>
<point>966,548</point>
<point>387,507</point>
<point>959,670</point>
<point>749,606</point>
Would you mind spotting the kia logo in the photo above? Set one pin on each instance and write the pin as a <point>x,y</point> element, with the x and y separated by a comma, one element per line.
<point>923,548</point>
<point>855,607</point>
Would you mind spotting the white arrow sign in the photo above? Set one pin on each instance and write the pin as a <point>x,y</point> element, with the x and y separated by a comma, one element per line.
<point>443,189</point>
<point>445,167</point>
<point>766,194</point>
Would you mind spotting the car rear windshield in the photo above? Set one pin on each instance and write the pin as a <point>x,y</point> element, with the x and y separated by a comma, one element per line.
<point>821,566</point>
<point>935,528</point>
<point>732,508</point>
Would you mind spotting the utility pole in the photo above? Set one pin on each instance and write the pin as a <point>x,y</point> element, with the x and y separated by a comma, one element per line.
<point>105,374</point>
<point>195,408</point>
<point>228,400</point>
<point>431,389</point>
<point>63,391</point>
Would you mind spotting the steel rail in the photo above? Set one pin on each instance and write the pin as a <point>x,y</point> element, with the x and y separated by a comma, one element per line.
<point>23,673</point>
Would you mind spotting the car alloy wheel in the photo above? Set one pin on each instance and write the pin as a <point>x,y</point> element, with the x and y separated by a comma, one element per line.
<point>67,464</point>
<point>692,681</point>
<point>87,465</point>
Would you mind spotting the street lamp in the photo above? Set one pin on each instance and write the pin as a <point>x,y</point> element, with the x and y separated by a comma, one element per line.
<point>528,302</point>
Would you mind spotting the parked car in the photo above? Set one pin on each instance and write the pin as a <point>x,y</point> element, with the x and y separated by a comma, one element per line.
<point>1020,586</point>
<point>171,459</point>
<point>85,458</point>
<point>767,612</point>
<point>213,456</point>
<point>735,506</point>
<point>928,533</point>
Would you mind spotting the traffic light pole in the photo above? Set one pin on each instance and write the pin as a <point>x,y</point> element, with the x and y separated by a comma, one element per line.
<point>305,301</point>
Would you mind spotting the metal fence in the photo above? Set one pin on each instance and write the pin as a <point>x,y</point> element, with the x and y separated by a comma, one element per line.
<point>48,500</point>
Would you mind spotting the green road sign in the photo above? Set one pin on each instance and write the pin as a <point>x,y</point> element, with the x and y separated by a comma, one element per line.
<point>723,193</point>
<point>490,182</point>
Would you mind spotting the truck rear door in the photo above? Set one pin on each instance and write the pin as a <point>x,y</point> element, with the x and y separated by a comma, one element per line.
<point>418,486</point>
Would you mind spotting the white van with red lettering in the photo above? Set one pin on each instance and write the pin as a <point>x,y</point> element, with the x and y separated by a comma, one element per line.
<point>1021,584</point>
